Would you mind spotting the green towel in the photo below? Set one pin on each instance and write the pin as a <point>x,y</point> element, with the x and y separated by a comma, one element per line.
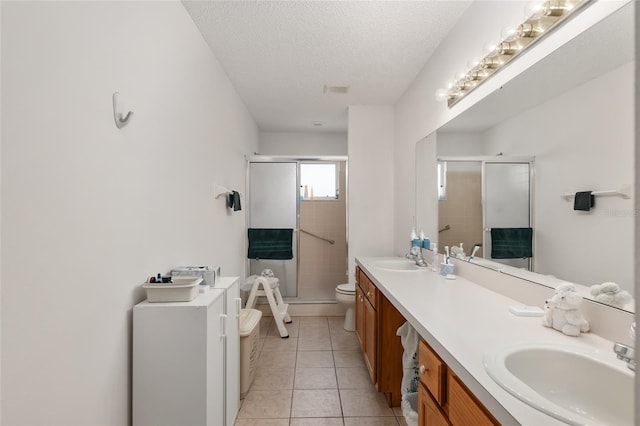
<point>270,243</point>
<point>511,243</point>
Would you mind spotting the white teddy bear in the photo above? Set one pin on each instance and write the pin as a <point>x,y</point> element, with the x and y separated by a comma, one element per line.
<point>611,294</point>
<point>563,311</point>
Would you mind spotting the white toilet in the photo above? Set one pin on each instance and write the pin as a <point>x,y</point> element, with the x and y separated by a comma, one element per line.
<point>346,295</point>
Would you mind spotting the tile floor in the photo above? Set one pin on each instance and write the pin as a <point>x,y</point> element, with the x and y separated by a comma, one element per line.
<point>316,377</point>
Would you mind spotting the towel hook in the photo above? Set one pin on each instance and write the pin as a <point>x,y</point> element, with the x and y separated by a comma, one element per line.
<point>120,120</point>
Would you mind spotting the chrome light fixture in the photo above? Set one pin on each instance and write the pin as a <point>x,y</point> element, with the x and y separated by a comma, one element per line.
<point>540,18</point>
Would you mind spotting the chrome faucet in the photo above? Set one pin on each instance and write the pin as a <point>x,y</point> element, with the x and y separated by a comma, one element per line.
<point>626,354</point>
<point>416,255</point>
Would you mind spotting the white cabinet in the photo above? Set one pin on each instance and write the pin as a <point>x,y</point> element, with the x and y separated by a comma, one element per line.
<point>233,304</point>
<point>179,355</point>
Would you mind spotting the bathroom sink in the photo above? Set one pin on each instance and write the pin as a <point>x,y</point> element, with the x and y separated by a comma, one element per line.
<point>396,265</point>
<point>578,386</point>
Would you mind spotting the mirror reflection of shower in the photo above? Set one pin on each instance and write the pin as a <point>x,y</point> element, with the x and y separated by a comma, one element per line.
<point>478,195</point>
<point>308,196</point>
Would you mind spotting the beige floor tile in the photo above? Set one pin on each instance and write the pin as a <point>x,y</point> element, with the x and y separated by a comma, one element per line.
<point>265,325</point>
<point>345,342</point>
<point>353,378</point>
<point>370,421</point>
<point>364,402</point>
<point>339,331</point>
<point>317,421</point>
<point>315,378</point>
<point>314,359</point>
<point>314,343</point>
<point>349,358</point>
<point>316,403</point>
<point>266,405</point>
<point>273,379</point>
<point>262,422</point>
<point>292,328</point>
<point>270,359</point>
<point>314,332</point>
<point>313,320</point>
<point>278,344</point>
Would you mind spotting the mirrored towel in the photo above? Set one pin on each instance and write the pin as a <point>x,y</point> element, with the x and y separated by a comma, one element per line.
<point>511,243</point>
<point>270,243</point>
<point>584,201</point>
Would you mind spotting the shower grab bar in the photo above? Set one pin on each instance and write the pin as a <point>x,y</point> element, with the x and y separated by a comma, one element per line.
<point>318,236</point>
<point>446,228</point>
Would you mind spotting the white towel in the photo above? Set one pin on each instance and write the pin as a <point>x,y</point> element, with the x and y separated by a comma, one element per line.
<point>410,339</point>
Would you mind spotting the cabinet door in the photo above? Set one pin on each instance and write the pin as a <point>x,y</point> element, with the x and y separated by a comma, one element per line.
<point>464,408</point>
<point>428,412</point>
<point>360,317</point>
<point>232,362</point>
<point>215,391</point>
<point>371,340</point>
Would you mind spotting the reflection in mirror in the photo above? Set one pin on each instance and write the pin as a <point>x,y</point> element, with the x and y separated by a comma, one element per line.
<point>486,211</point>
<point>579,127</point>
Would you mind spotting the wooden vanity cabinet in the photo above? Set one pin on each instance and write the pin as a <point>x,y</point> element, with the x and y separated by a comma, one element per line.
<point>443,398</point>
<point>377,321</point>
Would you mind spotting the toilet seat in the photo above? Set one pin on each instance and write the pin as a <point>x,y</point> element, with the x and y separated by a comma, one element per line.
<point>348,288</point>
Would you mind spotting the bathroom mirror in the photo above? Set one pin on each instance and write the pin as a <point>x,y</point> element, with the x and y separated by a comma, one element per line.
<point>573,112</point>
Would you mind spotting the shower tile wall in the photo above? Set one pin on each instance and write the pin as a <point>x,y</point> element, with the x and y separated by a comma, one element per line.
<point>323,265</point>
<point>462,211</point>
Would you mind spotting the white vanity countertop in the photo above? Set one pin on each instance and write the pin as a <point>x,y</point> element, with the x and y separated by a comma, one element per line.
<point>462,321</point>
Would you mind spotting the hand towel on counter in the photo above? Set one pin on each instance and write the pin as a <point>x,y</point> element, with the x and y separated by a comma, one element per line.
<point>511,243</point>
<point>270,243</point>
<point>584,201</point>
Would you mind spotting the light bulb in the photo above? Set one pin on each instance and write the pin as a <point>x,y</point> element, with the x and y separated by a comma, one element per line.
<point>474,64</point>
<point>490,50</point>
<point>535,10</point>
<point>510,33</point>
<point>441,95</point>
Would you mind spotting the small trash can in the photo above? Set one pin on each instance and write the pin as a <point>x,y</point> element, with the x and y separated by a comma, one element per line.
<point>249,337</point>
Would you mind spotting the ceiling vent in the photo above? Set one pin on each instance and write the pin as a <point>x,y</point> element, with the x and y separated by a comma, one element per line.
<point>336,89</point>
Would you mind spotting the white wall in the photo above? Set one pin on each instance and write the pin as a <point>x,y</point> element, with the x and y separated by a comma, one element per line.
<point>418,114</point>
<point>582,140</point>
<point>370,182</point>
<point>89,211</point>
<point>302,143</point>
<point>460,144</point>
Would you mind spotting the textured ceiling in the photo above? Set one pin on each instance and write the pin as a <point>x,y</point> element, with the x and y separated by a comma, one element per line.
<point>280,54</point>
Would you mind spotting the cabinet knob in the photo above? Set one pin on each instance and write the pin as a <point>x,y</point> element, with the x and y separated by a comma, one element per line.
<point>368,294</point>
<point>423,369</point>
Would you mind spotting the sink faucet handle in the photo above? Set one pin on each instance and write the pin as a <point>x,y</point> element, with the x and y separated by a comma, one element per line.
<point>632,331</point>
<point>623,352</point>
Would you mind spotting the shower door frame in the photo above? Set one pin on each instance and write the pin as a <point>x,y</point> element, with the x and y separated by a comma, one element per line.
<point>295,159</point>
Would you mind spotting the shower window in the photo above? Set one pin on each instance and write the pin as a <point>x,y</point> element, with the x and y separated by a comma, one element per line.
<point>319,181</point>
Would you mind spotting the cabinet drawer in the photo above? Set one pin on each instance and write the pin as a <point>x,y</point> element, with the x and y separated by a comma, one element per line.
<point>432,372</point>
<point>464,408</point>
<point>369,289</point>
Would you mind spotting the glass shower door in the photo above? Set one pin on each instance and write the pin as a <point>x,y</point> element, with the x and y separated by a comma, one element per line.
<point>273,189</point>
<point>507,196</point>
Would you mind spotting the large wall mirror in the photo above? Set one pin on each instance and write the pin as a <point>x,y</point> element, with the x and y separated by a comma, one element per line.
<point>573,114</point>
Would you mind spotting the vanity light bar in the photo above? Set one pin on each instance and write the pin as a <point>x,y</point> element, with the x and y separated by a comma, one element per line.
<point>540,18</point>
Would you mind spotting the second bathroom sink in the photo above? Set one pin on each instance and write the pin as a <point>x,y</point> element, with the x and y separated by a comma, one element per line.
<point>579,386</point>
<point>396,264</point>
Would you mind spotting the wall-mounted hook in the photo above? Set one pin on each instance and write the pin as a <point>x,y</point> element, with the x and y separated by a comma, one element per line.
<point>120,120</point>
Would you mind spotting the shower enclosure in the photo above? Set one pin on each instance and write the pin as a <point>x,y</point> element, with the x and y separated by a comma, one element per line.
<point>478,194</point>
<point>309,197</point>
